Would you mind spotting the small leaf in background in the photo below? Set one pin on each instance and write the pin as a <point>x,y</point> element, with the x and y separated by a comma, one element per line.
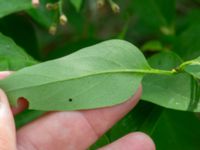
<point>12,57</point>
<point>77,4</point>
<point>168,91</point>
<point>105,74</point>
<point>11,6</point>
<point>152,46</point>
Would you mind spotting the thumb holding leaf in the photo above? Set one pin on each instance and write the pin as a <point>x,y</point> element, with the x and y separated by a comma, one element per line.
<point>7,127</point>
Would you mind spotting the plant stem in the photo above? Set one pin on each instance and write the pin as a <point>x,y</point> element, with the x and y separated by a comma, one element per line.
<point>147,71</point>
<point>157,71</point>
<point>184,64</point>
<point>60,5</point>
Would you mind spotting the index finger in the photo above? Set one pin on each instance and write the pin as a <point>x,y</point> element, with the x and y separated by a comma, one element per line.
<point>77,129</point>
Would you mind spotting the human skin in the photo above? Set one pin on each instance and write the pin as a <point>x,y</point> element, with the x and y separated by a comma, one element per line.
<point>69,130</point>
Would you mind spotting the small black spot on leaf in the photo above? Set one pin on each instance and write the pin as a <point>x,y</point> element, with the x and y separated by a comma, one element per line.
<point>70,99</point>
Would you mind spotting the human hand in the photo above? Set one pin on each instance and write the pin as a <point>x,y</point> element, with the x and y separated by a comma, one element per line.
<point>70,130</point>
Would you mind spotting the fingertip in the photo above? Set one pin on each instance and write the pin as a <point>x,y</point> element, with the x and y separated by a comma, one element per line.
<point>143,140</point>
<point>136,141</point>
<point>4,74</point>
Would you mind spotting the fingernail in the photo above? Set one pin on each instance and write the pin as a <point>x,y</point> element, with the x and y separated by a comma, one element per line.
<point>3,104</point>
<point>0,102</point>
<point>1,99</point>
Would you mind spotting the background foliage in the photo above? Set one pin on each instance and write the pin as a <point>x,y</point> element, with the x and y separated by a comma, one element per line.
<point>167,31</point>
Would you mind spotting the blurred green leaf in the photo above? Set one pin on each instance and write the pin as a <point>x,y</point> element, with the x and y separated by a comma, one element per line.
<point>193,17</point>
<point>152,46</point>
<point>188,43</point>
<point>23,27</point>
<point>11,6</point>
<point>155,13</point>
<point>12,57</point>
<point>77,4</point>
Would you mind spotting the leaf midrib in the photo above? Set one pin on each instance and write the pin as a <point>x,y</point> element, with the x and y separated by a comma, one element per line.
<point>88,75</point>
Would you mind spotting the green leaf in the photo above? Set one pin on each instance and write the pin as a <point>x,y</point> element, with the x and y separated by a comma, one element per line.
<point>188,43</point>
<point>193,68</point>
<point>11,6</point>
<point>12,57</point>
<point>24,34</point>
<point>169,91</point>
<point>77,4</point>
<point>101,75</point>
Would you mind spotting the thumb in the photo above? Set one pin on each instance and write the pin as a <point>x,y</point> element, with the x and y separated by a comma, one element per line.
<point>7,127</point>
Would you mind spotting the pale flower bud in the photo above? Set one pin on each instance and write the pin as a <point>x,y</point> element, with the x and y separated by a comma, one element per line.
<point>100,3</point>
<point>35,3</point>
<point>53,29</point>
<point>50,6</point>
<point>63,19</point>
<point>115,8</point>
